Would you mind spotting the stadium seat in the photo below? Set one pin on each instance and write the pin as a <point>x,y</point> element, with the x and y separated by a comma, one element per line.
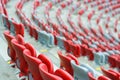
<point>81,71</point>
<point>10,49</point>
<point>59,74</point>
<point>33,64</point>
<point>46,61</point>
<point>65,61</point>
<point>111,74</point>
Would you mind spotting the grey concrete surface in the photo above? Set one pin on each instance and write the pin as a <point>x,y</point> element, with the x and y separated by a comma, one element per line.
<point>6,72</point>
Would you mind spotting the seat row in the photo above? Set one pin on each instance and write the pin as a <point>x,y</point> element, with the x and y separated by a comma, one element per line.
<point>30,64</point>
<point>75,48</point>
<point>37,67</point>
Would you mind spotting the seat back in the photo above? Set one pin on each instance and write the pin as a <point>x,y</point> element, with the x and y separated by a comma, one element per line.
<point>19,28</point>
<point>103,78</point>
<point>65,62</point>
<point>66,45</point>
<point>118,64</point>
<point>112,75</point>
<point>63,74</point>
<point>91,77</point>
<point>34,32</point>
<point>11,51</point>
<point>60,41</point>
<point>31,49</point>
<point>19,48</point>
<point>80,72</point>
<point>75,49</point>
<point>33,64</point>
<point>111,60</point>
<point>46,38</point>
<point>46,75</point>
<point>90,69</point>
<point>99,58</point>
<point>12,28</point>
<point>47,61</point>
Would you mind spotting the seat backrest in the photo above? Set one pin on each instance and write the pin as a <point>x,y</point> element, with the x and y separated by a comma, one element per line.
<point>91,77</point>
<point>63,74</point>
<point>9,37</point>
<point>41,37</point>
<point>34,33</point>
<point>99,58</point>
<point>65,62</point>
<point>20,39</point>
<point>33,64</point>
<point>19,28</point>
<point>112,75</point>
<point>60,41</point>
<point>48,39</point>
<point>103,78</point>
<point>47,61</point>
<point>19,48</point>
<point>111,60</point>
<point>80,72</point>
<point>90,69</point>
<point>90,54</point>
<point>83,49</point>
<point>75,49</point>
<point>31,49</point>
<point>118,64</point>
<point>46,75</point>
<point>66,45</point>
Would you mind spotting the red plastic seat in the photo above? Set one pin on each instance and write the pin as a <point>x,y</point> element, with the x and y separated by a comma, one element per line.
<point>33,64</point>
<point>19,5</point>
<point>111,74</point>
<point>55,34</point>
<point>112,60</point>
<point>67,45</point>
<point>30,29</point>
<point>58,75</point>
<point>34,33</point>
<point>19,28</point>
<point>5,1</point>
<point>65,62</point>
<point>75,49</point>
<point>83,49</point>
<point>91,77</point>
<point>81,12</point>
<point>118,64</point>
<point>46,75</point>
<point>63,74</point>
<point>31,49</point>
<point>11,51</point>
<point>55,27</point>
<point>103,78</point>
<point>46,61</point>
<point>67,35</point>
<point>19,46</point>
<point>36,4</point>
<point>90,53</point>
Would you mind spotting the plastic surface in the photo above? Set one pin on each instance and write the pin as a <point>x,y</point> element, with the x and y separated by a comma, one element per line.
<point>11,51</point>
<point>65,61</point>
<point>33,64</point>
